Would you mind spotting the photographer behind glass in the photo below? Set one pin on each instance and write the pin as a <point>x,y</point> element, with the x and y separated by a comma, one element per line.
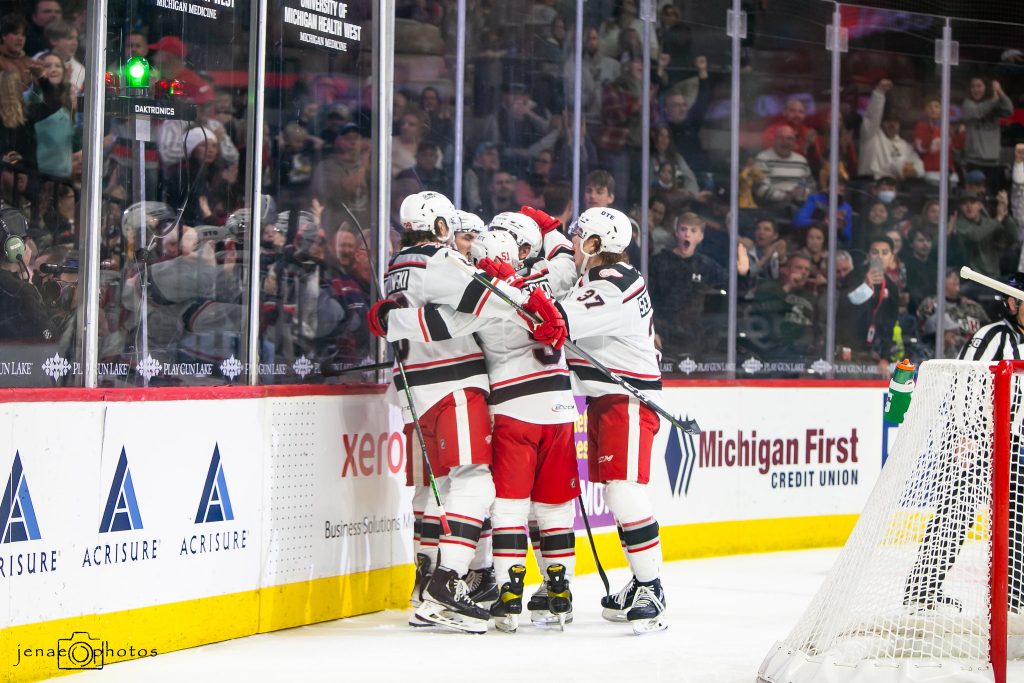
<point>194,307</point>
<point>23,317</point>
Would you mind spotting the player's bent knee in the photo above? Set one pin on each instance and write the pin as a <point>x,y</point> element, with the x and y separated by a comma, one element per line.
<point>473,486</point>
<point>560,516</point>
<point>627,500</point>
<point>510,512</point>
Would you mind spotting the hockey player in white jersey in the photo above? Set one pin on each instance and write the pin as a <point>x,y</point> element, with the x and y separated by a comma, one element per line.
<point>470,227</point>
<point>556,249</point>
<point>608,314</point>
<point>448,382</point>
<point>534,452</point>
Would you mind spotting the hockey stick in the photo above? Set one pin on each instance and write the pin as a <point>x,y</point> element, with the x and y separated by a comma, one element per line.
<point>686,426</point>
<point>593,547</point>
<point>332,369</point>
<point>405,384</point>
<point>1001,287</point>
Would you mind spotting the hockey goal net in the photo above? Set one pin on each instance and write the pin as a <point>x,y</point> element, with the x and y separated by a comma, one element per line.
<point>928,586</point>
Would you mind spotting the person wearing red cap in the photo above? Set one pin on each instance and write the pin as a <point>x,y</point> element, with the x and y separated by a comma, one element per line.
<point>169,57</point>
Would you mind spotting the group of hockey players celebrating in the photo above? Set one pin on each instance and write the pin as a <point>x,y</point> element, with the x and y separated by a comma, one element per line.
<point>487,396</point>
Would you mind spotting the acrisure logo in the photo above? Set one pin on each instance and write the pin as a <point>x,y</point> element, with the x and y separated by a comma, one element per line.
<point>18,524</point>
<point>214,507</point>
<point>680,459</point>
<point>16,509</point>
<point>215,503</point>
<point>121,514</point>
<point>122,510</point>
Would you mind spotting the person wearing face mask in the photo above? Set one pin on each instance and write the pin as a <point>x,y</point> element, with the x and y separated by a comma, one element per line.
<point>883,152</point>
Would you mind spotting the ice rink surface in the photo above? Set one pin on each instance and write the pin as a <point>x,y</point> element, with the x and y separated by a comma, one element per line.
<point>724,615</point>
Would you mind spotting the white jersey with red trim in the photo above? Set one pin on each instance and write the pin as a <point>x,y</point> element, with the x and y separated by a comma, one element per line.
<point>528,381</point>
<point>609,315</point>
<point>422,275</point>
<point>561,266</point>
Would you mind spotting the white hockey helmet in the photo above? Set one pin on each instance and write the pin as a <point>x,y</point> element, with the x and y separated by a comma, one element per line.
<point>523,228</point>
<point>470,222</point>
<point>420,211</point>
<point>610,225</point>
<point>498,245</point>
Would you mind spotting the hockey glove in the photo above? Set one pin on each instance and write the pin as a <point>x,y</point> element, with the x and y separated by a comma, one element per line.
<point>547,223</point>
<point>551,329</point>
<point>498,269</point>
<point>377,318</point>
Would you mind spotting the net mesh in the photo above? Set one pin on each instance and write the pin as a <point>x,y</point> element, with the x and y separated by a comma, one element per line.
<point>913,579</point>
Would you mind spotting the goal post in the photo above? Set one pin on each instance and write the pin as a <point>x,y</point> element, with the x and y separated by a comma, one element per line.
<point>928,587</point>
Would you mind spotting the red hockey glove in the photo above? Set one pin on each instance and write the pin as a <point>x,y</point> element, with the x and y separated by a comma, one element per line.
<point>498,269</point>
<point>547,223</point>
<point>551,329</point>
<point>377,318</point>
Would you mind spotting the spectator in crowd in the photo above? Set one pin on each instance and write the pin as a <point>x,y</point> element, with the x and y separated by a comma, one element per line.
<point>625,20</point>
<point>786,311</point>
<point>187,185</point>
<point>1017,184</point>
<point>598,189</point>
<point>172,133</point>
<point>883,153</point>
<point>502,196</point>
<point>558,200</point>
<point>815,247</point>
<point>54,132</point>
<point>425,171</point>
<point>751,176</point>
<point>23,317</point>
<point>621,125</point>
<point>169,58</point>
<point>680,280</point>
<point>476,182</point>
<point>438,116</point>
<point>874,221</point>
<point>12,49</point>
<point>787,176</point>
<point>341,181</point>
<point>14,176</point>
<point>767,251</point>
<point>928,142</point>
<point>43,13</point>
<point>921,267</point>
<point>815,211</point>
<point>520,128</point>
<point>63,38</point>
<point>808,142</point>
<point>985,238</point>
<point>868,309</point>
<point>411,131</point>
<point>530,190</point>
<point>663,151</point>
<point>966,315</point>
<point>897,271</point>
<point>17,131</point>
<point>598,70</point>
<point>297,155</point>
<point>660,235</point>
<point>676,40</point>
<point>684,121</point>
<point>981,116</point>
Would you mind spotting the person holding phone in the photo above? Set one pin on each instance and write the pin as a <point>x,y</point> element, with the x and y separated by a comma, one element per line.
<point>868,310</point>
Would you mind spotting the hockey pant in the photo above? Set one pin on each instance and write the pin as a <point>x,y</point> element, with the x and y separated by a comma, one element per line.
<point>557,539</point>
<point>958,497</point>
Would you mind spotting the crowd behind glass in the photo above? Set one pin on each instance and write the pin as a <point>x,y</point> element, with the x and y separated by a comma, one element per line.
<point>174,271</point>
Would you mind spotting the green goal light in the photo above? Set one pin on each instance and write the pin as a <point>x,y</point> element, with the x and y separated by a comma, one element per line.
<point>137,72</point>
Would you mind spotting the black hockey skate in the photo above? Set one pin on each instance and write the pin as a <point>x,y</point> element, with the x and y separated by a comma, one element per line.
<point>645,616</point>
<point>616,606</point>
<point>559,597</point>
<point>422,578</point>
<point>541,603</point>
<point>446,603</point>
<point>509,604</point>
<point>483,589</point>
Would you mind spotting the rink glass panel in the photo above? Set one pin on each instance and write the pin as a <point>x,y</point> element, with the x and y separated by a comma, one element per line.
<point>175,278</point>
<point>319,239</point>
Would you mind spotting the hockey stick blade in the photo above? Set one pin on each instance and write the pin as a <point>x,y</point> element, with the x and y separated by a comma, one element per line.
<point>686,426</point>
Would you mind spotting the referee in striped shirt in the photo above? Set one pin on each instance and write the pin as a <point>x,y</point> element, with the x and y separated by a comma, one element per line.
<point>1003,339</point>
<point>957,490</point>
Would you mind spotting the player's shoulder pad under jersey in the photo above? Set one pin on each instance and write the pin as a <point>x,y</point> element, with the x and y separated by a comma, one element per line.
<point>419,254</point>
<point>622,275</point>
